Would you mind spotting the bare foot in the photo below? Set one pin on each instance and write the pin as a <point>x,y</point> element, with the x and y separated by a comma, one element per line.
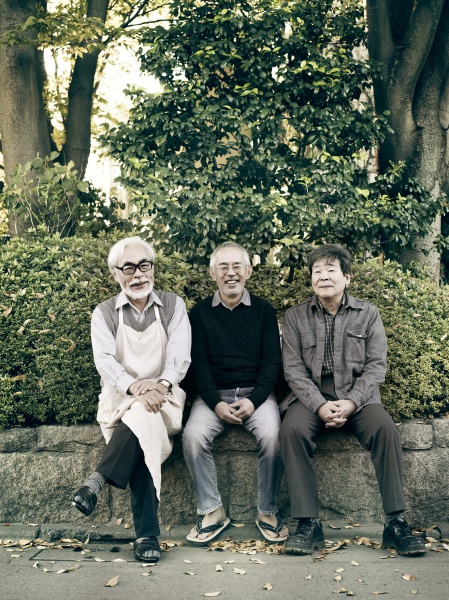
<point>272,520</point>
<point>210,519</point>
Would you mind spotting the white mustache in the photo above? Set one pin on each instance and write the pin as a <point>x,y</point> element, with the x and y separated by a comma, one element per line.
<point>139,280</point>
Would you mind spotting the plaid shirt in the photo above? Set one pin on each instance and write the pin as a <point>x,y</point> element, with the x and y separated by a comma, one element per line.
<point>329,322</point>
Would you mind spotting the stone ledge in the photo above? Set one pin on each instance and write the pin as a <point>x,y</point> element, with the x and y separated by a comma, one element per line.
<point>40,468</point>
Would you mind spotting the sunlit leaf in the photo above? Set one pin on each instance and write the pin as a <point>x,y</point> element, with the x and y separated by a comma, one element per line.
<point>112,582</point>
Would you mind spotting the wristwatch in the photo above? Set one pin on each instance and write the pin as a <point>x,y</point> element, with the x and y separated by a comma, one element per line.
<point>167,384</point>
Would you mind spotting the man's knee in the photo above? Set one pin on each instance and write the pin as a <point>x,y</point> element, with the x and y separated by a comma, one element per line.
<point>195,438</point>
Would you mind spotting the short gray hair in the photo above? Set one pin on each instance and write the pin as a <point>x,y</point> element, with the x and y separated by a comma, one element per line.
<point>225,245</point>
<point>118,250</point>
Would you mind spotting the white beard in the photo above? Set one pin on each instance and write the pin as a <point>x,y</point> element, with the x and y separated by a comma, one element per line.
<point>137,295</point>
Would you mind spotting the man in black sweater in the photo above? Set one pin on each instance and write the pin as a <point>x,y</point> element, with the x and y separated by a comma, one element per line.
<point>235,365</point>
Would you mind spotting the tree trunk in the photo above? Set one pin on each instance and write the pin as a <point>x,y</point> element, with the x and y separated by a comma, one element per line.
<point>23,124</point>
<point>78,124</point>
<point>411,40</point>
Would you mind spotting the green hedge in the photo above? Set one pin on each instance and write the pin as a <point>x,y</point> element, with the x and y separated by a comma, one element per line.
<point>50,286</point>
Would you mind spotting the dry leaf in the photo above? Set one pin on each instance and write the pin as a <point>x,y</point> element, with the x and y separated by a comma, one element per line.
<point>389,556</point>
<point>257,561</point>
<point>15,555</point>
<point>409,577</point>
<point>218,568</point>
<point>361,580</point>
<point>61,571</point>
<point>45,570</point>
<point>268,586</point>
<point>414,591</point>
<point>99,559</point>
<point>189,573</point>
<point>341,591</point>
<point>112,582</point>
<point>239,571</point>
<point>169,528</point>
<point>211,594</point>
<point>378,593</point>
<point>119,560</point>
<point>354,563</point>
<point>229,562</point>
<point>340,570</point>
<point>146,574</point>
<point>334,526</point>
<point>188,561</point>
<point>337,578</point>
<point>74,568</point>
<point>349,527</point>
<point>35,566</point>
<point>238,524</point>
<point>127,526</point>
<point>308,577</point>
<point>119,521</point>
<point>52,317</point>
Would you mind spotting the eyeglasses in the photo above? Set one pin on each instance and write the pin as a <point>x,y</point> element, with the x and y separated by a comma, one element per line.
<point>130,268</point>
<point>237,268</point>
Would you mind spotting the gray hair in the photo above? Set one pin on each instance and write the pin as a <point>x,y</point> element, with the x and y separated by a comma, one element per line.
<point>118,250</point>
<point>233,245</point>
<point>331,253</point>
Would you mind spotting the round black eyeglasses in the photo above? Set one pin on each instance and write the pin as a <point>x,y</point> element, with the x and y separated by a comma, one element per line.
<point>130,268</point>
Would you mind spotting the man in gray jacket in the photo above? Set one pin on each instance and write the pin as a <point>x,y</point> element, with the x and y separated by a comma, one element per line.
<point>335,358</point>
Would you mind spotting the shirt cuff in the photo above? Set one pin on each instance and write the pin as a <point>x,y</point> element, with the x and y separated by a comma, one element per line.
<point>170,375</point>
<point>124,382</point>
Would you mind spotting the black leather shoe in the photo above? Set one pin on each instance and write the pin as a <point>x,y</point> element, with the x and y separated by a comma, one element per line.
<point>307,537</point>
<point>85,500</point>
<point>398,535</point>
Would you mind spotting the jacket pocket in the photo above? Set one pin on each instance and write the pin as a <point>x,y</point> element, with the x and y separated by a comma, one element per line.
<point>356,347</point>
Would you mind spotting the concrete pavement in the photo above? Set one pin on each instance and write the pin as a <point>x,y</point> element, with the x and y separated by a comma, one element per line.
<point>30,572</point>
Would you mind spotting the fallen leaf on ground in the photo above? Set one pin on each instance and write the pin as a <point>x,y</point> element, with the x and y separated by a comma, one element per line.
<point>354,524</point>
<point>349,527</point>
<point>308,577</point>
<point>354,563</point>
<point>337,578</point>
<point>74,568</point>
<point>239,571</point>
<point>35,566</point>
<point>342,591</point>
<point>189,573</point>
<point>257,561</point>
<point>61,571</point>
<point>409,577</point>
<point>229,562</point>
<point>389,556</point>
<point>238,524</point>
<point>45,570</point>
<point>146,574</point>
<point>96,559</point>
<point>187,561</point>
<point>414,591</point>
<point>112,582</point>
<point>119,521</point>
<point>339,570</point>
<point>127,526</point>
<point>378,593</point>
<point>268,586</point>
<point>218,568</point>
<point>119,560</point>
<point>211,594</point>
<point>334,526</point>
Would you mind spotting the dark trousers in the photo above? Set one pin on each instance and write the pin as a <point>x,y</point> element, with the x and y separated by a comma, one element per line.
<point>376,432</point>
<point>122,463</point>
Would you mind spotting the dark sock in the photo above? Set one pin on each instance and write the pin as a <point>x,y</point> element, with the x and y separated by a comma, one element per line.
<point>393,515</point>
<point>95,482</point>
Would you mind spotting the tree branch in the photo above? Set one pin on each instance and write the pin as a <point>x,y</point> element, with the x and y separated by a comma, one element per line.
<point>381,46</point>
<point>416,45</point>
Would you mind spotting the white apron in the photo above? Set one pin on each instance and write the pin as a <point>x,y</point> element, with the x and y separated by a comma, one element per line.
<point>142,354</point>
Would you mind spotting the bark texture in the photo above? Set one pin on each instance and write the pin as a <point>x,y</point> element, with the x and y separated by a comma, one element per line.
<point>23,124</point>
<point>81,91</point>
<point>411,40</point>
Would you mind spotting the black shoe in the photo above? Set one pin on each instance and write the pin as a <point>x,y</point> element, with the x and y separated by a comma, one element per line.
<point>85,500</point>
<point>147,549</point>
<point>398,535</point>
<point>307,537</point>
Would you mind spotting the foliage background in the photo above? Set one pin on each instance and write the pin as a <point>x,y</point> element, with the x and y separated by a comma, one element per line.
<point>49,287</point>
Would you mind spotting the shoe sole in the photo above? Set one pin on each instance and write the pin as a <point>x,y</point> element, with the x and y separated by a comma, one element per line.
<point>302,551</point>
<point>404,552</point>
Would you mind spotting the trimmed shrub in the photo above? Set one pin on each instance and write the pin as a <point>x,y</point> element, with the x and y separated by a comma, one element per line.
<point>50,286</point>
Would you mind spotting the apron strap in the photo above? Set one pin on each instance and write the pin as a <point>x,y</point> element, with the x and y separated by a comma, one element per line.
<point>156,312</point>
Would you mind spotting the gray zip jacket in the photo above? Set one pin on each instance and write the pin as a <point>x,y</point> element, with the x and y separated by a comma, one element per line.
<point>360,353</point>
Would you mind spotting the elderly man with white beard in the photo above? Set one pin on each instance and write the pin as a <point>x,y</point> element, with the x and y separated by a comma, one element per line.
<point>141,344</point>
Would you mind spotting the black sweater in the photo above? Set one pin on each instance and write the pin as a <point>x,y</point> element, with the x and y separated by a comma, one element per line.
<point>235,348</point>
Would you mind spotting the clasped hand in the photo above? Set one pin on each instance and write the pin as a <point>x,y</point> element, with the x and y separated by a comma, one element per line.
<point>150,393</point>
<point>236,412</point>
<point>335,414</point>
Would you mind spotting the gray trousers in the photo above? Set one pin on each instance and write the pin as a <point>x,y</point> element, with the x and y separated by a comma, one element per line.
<point>376,432</point>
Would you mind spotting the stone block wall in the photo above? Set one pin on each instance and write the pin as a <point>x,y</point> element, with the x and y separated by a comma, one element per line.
<point>40,469</point>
